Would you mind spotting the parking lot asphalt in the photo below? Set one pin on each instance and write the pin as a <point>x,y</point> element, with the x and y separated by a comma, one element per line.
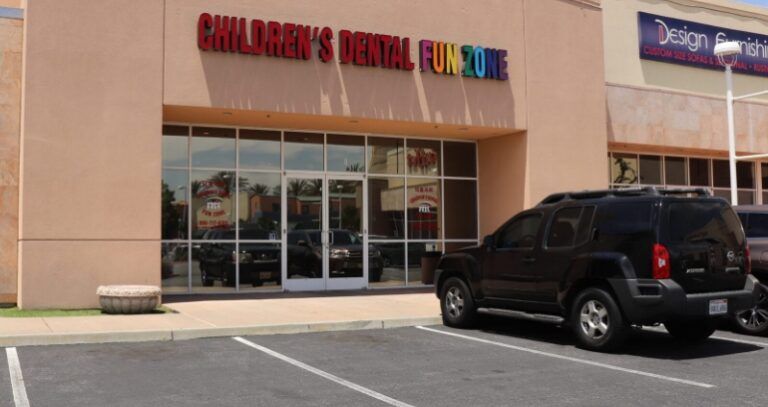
<point>502,362</point>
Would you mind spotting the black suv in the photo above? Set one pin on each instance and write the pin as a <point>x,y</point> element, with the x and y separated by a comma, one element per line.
<point>602,261</point>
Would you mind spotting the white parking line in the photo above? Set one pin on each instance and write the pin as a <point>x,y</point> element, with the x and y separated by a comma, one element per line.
<point>321,373</point>
<point>571,359</point>
<point>17,380</point>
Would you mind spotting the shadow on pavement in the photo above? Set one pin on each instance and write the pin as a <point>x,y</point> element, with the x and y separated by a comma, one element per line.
<point>642,343</point>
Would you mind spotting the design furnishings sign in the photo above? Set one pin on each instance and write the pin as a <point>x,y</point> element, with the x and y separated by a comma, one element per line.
<point>683,42</point>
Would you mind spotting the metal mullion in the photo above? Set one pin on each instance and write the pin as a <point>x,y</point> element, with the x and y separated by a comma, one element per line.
<point>283,217</point>
<point>214,169</point>
<point>477,191</point>
<point>405,210</point>
<point>442,194</point>
<point>173,167</point>
<point>237,210</point>
<point>189,207</point>
<point>460,178</point>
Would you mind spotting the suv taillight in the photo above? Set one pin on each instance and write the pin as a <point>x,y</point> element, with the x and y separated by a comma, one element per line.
<point>660,261</point>
<point>747,261</point>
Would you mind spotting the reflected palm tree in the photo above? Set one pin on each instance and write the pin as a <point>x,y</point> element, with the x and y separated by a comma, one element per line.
<point>258,189</point>
<point>297,187</point>
<point>314,187</point>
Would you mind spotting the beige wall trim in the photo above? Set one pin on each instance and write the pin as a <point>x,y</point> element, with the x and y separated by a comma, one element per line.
<point>615,147</point>
<point>669,91</point>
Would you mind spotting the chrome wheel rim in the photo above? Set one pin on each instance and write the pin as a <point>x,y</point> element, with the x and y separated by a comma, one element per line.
<point>454,302</point>
<point>755,318</point>
<point>593,319</point>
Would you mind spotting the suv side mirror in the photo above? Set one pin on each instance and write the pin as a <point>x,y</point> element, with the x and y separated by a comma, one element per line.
<point>489,242</point>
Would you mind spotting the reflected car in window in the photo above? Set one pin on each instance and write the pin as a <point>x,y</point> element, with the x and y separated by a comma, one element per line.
<point>259,262</point>
<point>345,255</point>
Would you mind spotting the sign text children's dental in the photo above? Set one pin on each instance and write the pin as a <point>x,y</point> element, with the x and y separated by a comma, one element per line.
<point>683,42</point>
<point>289,40</point>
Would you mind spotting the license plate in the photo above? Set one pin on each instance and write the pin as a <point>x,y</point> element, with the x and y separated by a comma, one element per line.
<point>265,275</point>
<point>718,307</point>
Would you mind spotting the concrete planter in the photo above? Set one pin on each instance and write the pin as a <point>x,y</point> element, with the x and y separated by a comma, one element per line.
<point>128,299</point>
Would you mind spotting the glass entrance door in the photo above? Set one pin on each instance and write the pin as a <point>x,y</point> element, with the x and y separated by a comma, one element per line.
<point>324,242</point>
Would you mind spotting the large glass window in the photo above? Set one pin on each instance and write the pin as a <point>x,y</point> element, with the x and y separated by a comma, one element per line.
<point>303,151</point>
<point>346,153</point>
<point>223,206</point>
<point>386,155</point>
<point>460,159</point>
<point>259,150</point>
<point>460,209</point>
<point>213,147</point>
<point>424,206</point>
<point>650,169</point>
<point>624,169</point>
<point>698,168</point>
<point>675,171</point>
<point>423,157</point>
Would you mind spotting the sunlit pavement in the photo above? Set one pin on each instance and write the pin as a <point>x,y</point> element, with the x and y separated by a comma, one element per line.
<point>502,362</point>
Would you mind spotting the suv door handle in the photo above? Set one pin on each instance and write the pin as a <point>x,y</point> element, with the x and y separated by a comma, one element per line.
<point>529,260</point>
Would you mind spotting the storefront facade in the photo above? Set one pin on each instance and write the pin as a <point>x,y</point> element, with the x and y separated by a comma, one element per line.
<point>219,146</point>
<point>665,95</point>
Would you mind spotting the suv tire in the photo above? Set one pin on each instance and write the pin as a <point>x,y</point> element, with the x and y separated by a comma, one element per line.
<point>597,321</point>
<point>457,304</point>
<point>691,331</point>
<point>754,321</point>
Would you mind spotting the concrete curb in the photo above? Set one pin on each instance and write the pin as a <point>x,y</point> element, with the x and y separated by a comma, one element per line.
<point>214,332</point>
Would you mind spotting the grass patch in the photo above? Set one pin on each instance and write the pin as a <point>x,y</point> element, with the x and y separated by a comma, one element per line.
<point>15,312</point>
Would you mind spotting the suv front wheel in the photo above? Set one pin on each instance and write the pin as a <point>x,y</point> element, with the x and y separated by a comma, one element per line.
<point>457,304</point>
<point>597,321</point>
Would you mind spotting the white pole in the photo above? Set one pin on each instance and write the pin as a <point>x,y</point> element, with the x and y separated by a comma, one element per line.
<point>731,135</point>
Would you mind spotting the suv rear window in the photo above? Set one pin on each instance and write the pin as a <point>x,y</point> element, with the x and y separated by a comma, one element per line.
<point>693,222</point>
<point>624,218</point>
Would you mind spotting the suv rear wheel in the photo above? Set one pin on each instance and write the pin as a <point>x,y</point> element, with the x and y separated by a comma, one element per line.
<point>691,331</point>
<point>754,321</point>
<point>457,304</point>
<point>597,321</point>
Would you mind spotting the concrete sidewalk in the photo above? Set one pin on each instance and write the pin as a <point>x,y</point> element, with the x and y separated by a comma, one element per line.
<point>199,319</point>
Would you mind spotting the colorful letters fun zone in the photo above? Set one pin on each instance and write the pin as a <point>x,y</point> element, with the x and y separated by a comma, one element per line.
<point>297,41</point>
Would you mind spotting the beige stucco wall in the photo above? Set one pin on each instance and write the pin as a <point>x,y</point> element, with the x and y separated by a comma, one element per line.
<point>90,181</point>
<point>10,108</point>
<point>566,134</point>
<point>681,108</point>
<point>503,176</point>
<point>260,83</point>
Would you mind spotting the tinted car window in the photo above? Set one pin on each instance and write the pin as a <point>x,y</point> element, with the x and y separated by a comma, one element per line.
<point>562,232</point>
<point>344,238</point>
<point>585,225</point>
<point>521,233</point>
<point>624,218</point>
<point>758,225</point>
<point>704,221</point>
<point>294,237</point>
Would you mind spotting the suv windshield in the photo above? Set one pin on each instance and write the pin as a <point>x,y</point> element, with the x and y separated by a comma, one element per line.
<point>713,222</point>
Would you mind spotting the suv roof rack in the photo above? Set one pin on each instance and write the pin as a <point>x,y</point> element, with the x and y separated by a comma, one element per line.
<point>604,193</point>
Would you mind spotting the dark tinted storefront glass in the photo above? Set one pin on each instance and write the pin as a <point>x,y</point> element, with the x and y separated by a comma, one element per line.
<point>746,197</point>
<point>259,205</point>
<point>175,201</point>
<point>174,271</point>
<point>758,225</point>
<point>213,206</point>
<point>259,150</point>
<point>392,263</point>
<point>650,169</point>
<point>175,140</point>
<point>386,200</point>
<point>213,147</point>
<point>675,170</point>
<point>455,246</point>
<point>764,172</point>
<point>459,159</point>
<point>416,251</point>
<point>424,208</point>
<point>624,169</point>
<point>423,157</point>
<point>698,168</point>
<point>460,209</point>
<point>745,177</point>
<point>303,151</point>
<point>720,173</point>
<point>346,153</point>
<point>386,155</point>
